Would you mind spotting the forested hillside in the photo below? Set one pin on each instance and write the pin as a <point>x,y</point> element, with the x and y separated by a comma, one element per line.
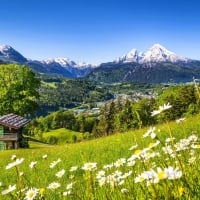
<point>61,94</point>
<point>164,72</point>
<point>121,115</point>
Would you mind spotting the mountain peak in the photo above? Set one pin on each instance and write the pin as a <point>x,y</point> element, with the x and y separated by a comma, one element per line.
<point>132,56</point>
<point>156,53</point>
<point>7,53</point>
<point>157,45</point>
<point>4,48</point>
<point>159,49</point>
<point>61,61</point>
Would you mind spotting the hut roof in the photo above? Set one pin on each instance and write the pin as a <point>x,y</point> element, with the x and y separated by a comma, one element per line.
<point>13,121</point>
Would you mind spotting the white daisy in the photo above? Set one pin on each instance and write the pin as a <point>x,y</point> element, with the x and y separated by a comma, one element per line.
<point>31,193</point>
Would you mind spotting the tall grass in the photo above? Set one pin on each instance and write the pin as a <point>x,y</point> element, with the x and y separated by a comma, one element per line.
<point>155,163</point>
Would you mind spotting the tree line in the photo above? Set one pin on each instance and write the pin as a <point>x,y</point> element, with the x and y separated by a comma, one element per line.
<point>121,115</point>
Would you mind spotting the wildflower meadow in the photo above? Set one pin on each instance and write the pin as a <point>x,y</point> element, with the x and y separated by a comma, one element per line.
<point>156,163</point>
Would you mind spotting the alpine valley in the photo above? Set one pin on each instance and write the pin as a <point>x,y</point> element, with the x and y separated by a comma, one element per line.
<point>157,65</point>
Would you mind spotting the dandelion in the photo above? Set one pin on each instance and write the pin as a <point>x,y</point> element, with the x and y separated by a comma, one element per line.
<point>89,166</point>
<point>73,168</point>
<point>31,193</point>
<point>9,190</point>
<point>32,164</point>
<point>161,109</point>
<point>13,164</point>
<point>42,192</point>
<point>180,191</point>
<point>60,173</point>
<point>53,185</point>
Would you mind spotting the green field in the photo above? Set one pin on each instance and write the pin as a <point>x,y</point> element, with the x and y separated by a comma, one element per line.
<point>62,136</point>
<point>122,166</point>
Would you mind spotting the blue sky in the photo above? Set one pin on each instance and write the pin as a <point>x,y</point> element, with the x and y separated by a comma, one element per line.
<point>97,31</point>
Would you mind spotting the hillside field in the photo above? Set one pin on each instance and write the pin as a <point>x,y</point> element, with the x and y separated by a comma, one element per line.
<point>163,165</point>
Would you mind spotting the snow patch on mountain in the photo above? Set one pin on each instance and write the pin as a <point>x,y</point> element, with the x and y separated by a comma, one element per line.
<point>64,62</point>
<point>5,48</point>
<point>9,54</point>
<point>157,53</point>
<point>131,56</point>
<point>67,63</point>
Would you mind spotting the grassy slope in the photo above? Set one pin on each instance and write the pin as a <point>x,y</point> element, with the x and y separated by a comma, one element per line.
<point>103,151</point>
<point>63,135</point>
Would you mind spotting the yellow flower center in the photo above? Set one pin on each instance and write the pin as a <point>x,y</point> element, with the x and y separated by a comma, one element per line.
<point>30,195</point>
<point>161,175</point>
<point>138,151</point>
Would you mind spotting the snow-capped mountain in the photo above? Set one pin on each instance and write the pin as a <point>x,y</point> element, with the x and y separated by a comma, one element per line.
<point>132,56</point>
<point>62,61</point>
<point>7,53</point>
<point>156,54</point>
<point>155,65</point>
<point>67,63</point>
<point>76,69</point>
<point>61,66</point>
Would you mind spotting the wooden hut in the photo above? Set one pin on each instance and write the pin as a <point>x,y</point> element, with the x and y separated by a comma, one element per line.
<point>11,126</point>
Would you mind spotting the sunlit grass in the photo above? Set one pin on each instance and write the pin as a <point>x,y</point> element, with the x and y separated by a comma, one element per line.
<point>122,166</point>
<point>62,136</point>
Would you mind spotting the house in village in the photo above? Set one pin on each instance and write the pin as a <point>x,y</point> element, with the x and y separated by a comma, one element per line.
<point>11,126</point>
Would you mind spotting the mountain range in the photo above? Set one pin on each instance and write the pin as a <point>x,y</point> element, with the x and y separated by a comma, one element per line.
<point>59,66</point>
<point>155,65</point>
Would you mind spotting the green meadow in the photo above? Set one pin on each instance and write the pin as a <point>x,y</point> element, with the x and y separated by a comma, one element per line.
<point>153,163</point>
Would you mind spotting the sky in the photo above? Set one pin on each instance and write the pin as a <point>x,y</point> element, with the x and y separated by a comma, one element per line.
<point>96,31</point>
